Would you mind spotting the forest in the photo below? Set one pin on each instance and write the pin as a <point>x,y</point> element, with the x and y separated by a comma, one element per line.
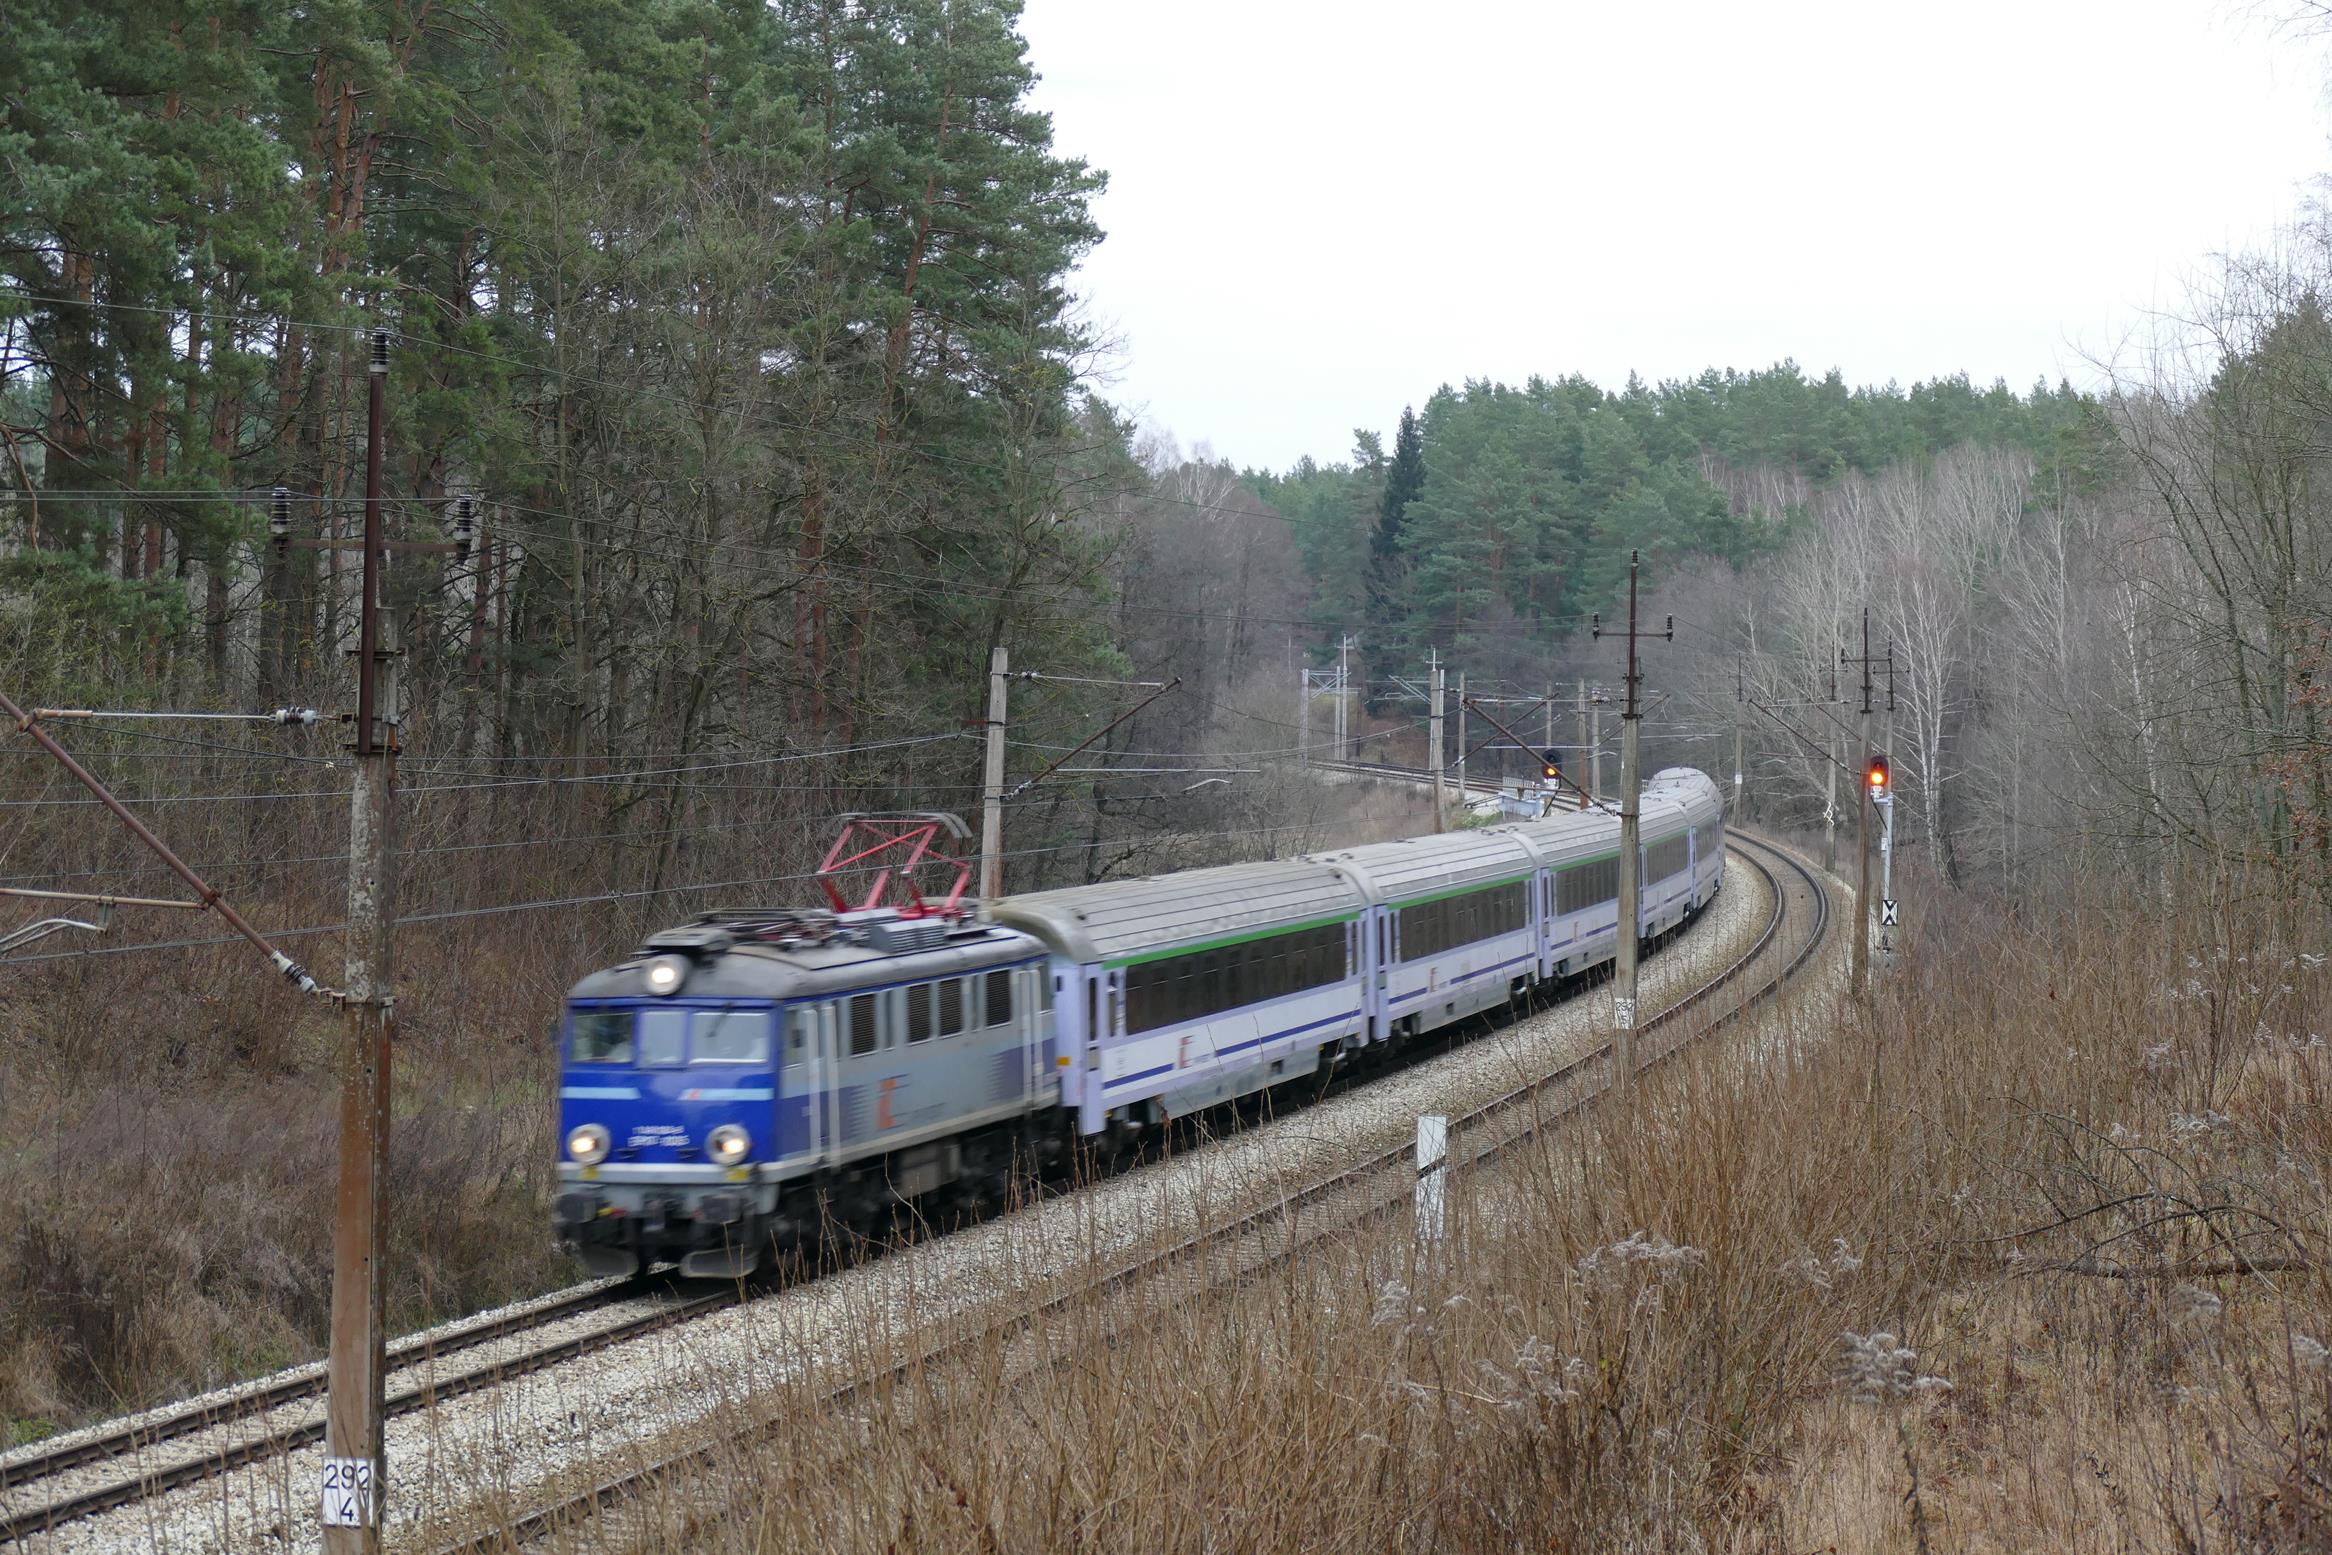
<point>747,336</point>
<point>2104,612</point>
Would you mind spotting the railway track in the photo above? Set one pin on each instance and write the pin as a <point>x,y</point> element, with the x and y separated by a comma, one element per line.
<point>1331,1206</point>
<point>94,1472</point>
<point>86,1473</point>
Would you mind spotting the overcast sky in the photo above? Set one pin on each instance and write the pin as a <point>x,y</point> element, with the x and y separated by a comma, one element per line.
<point>1318,212</point>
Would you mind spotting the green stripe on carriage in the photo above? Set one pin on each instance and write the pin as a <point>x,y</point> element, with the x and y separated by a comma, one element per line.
<point>1464,890</point>
<point>1193,948</point>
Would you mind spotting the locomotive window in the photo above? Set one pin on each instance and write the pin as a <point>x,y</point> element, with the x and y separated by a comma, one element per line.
<point>730,1037</point>
<point>951,1006</point>
<point>663,1036</point>
<point>862,1025</point>
<point>800,1031</point>
<point>1000,999</point>
<point>602,1037</point>
<point>919,1012</point>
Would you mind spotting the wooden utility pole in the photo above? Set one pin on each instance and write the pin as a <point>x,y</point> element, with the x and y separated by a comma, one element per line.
<point>992,785</point>
<point>355,1466</point>
<point>1623,1003</point>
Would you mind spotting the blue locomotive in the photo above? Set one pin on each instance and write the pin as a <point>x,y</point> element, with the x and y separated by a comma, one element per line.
<point>749,1077</point>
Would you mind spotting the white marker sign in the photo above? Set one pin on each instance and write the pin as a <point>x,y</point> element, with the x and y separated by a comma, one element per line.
<point>1432,1177</point>
<point>1887,913</point>
<point>1623,1014</point>
<point>348,1493</point>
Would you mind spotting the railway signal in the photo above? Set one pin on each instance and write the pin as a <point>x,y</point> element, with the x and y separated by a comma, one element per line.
<point>1551,769</point>
<point>1874,793</point>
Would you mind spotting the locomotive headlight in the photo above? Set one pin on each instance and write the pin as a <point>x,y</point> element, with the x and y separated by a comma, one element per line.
<point>588,1144</point>
<point>728,1144</point>
<point>664,974</point>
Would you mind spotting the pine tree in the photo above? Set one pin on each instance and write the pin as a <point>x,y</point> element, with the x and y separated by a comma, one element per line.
<point>1387,566</point>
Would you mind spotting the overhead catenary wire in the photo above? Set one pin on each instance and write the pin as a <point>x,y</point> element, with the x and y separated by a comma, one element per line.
<point>608,897</point>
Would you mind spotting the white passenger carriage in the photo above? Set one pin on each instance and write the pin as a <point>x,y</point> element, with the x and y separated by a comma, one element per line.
<point>1174,993</point>
<point>1453,925</point>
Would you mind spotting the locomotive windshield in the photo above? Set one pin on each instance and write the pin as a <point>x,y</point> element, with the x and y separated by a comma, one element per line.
<point>668,1038</point>
<point>730,1037</point>
<point>603,1037</point>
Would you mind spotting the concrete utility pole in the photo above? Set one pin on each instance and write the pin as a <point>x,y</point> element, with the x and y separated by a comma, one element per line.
<point>1583,772</point>
<point>1343,698</point>
<point>1623,1003</point>
<point>1303,714</point>
<point>992,784</point>
<point>1595,703</point>
<point>1740,796</point>
<point>1461,741</point>
<point>1858,974</point>
<point>355,1467</point>
<point>1433,722</point>
<point>1888,749</point>
<point>1830,775</point>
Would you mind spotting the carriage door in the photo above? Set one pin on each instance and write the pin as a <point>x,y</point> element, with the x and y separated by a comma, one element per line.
<point>825,1091</point>
<point>1028,1029</point>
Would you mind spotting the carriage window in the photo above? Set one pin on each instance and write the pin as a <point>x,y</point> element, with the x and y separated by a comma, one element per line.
<point>730,1037</point>
<point>602,1037</point>
<point>919,1012</point>
<point>862,1025</point>
<point>999,998</point>
<point>951,1006</point>
<point>663,1038</point>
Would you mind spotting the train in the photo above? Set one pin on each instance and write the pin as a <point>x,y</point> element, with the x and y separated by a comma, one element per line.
<point>750,1079</point>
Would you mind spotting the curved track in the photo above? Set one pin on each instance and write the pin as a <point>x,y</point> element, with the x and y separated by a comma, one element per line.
<point>93,1472</point>
<point>1330,1206</point>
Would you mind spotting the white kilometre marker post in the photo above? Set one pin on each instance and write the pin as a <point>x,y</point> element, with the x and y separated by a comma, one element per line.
<point>1432,1184</point>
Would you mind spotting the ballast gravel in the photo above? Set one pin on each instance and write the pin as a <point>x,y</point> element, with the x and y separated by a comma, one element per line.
<point>501,1446</point>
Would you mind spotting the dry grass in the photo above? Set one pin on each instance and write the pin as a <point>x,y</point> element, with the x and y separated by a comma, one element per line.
<point>167,1146</point>
<point>1640,1342</point>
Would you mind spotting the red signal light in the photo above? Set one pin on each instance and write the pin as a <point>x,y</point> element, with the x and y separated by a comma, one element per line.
<point>1877,776</point>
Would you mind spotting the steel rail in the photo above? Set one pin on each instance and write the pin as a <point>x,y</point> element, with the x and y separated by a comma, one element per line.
<point>599,1498</point>
<point>265,1399</point>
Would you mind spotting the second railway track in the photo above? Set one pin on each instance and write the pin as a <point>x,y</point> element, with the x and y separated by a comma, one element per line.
<point>93,1472</point>
<point>1331,1205</point>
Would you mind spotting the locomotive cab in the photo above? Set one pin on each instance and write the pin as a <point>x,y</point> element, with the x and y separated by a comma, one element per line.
<point>668,1118</point>
<point>744,1079</point>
